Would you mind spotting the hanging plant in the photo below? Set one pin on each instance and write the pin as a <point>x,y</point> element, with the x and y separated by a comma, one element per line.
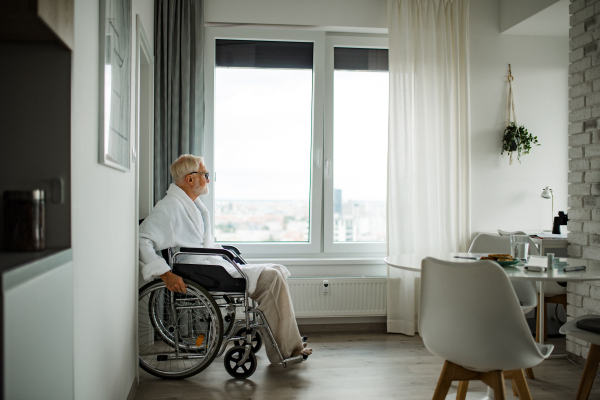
<point>518,139</point>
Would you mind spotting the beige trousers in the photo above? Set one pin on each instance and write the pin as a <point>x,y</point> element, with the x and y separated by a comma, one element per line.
<point>273,297</point>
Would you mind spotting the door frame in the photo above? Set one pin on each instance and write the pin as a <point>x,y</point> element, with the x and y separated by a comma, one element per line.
<point>143,150</point>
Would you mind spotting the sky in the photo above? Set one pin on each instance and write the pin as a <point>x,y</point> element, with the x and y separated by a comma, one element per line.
<point>267,113</point>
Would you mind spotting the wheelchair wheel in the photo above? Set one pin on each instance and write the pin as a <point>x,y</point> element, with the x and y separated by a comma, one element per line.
<point>179,335</point>
<point>257,340</point>
<point>233,356</point>
<point>228,313</point>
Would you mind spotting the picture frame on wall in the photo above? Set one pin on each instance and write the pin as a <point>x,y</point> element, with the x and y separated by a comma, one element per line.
<point>115,84</point>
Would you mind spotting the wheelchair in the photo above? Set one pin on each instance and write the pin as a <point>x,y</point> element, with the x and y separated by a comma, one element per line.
<point>180,334</point>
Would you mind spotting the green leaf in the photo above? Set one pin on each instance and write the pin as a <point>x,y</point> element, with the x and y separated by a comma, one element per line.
<point>518,137</point>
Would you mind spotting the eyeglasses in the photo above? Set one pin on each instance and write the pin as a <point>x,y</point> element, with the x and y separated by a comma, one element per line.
<point>203,173</point>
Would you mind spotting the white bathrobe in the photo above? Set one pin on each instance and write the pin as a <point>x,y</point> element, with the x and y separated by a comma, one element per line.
<point>177,221</point>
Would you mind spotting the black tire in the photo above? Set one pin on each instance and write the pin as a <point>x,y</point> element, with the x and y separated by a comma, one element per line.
<point>199,315</point>
<point>233,356</point>
<point>257,340</point>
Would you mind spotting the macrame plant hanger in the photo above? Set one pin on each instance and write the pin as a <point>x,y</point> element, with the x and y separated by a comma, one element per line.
<point>512,117</point>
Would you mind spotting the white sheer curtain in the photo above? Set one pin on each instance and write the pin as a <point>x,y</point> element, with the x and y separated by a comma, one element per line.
<point>428,150</point>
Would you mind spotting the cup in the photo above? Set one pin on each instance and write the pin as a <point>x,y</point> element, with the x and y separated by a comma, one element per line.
<point>550,263</point>
<point>519,246</point>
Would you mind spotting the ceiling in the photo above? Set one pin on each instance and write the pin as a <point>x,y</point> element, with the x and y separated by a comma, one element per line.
<point>552,21</point>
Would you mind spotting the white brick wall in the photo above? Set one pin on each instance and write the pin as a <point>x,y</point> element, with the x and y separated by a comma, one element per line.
<point>584,158</point>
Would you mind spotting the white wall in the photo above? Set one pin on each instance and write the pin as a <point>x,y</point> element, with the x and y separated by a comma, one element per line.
<point>103,228</point>
<point>503,196</point>
<point>329,13</point>
<point>508,197</point>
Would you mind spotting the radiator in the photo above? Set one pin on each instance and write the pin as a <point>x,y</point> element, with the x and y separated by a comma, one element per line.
<point>344,297</point>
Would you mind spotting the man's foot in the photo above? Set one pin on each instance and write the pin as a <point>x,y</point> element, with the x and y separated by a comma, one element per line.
<point>304,344</point>
<point>302,352</point>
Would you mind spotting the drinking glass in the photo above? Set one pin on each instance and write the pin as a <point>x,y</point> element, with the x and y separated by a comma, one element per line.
<point>519,246</point>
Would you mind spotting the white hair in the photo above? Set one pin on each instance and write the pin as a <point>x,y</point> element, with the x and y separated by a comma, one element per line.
<point>185,164</point>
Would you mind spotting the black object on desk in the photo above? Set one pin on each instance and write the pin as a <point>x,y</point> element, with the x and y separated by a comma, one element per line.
<point>574,269</point>
<point>558,221</point>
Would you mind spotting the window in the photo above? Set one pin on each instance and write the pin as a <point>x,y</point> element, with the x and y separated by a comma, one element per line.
<point>263,131</point>
<point>360,115</point>
<point>297,139</point>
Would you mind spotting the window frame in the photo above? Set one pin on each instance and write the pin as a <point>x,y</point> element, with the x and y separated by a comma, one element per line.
<point>313,245</point>
<point>330,246</point>
<point>320,244</point>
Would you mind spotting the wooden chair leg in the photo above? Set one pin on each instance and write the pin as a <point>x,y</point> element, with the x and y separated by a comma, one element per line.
<point>529,372</point>
<point>521,384</point>
<point>513,383</point>
<point>463,386</point>
<point>495,380</point>
<point>509,375</point>
<point>537,321</point>
<point>589,373</point>
<point>443,385</point>
<point>545,320</point>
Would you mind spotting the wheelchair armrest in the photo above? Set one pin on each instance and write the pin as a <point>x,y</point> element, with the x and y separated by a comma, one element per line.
<point>207,251</point>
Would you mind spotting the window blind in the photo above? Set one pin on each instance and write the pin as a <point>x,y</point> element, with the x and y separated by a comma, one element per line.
<point>264,54</point>
<point>356,59</point>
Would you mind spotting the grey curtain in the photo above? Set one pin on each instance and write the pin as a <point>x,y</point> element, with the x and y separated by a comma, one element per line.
<point>178,85</point>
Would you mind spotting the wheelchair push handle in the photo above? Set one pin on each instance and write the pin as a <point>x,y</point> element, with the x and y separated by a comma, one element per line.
<point>238,256</point>
<point>232,249</point>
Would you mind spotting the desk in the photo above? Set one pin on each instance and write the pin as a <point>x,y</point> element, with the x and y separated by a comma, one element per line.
<point>546,242</point>
<point>549,243</point>
<point>412,262</point>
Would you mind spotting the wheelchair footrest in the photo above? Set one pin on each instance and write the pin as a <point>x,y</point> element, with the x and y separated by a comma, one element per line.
<point>292,360</point>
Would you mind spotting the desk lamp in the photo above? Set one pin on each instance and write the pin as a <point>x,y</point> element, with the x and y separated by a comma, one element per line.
<point>547,194</point>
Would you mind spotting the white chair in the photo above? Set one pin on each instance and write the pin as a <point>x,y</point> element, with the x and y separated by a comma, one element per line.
<point>593,358</point>
<point>526,291</point>
<point>508,233</point>
<point>553,292</point>
<point>470,316</point>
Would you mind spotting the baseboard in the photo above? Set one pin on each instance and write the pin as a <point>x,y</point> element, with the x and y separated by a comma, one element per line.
<point>133,390</point>
<point>342,324</point>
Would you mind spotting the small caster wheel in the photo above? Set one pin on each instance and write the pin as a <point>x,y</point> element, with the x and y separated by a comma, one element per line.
<point>233,356</point>
<point>304,339</point>
<point>257,341</point>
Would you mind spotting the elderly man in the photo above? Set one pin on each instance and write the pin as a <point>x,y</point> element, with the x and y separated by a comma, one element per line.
<point>180,219</point>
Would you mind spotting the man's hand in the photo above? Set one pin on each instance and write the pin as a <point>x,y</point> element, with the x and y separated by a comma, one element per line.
<point>173,282</point>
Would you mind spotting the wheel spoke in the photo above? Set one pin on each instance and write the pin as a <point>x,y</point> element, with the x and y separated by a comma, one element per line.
<point>156,317</point>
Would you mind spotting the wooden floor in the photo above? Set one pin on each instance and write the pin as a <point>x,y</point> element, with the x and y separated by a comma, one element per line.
<point>357,365</point>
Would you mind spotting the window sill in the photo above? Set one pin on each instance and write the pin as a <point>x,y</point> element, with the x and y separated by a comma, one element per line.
<point>318,261</point>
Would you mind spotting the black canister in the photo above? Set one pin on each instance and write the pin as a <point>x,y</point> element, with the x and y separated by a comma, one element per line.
<point>24,220</point>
